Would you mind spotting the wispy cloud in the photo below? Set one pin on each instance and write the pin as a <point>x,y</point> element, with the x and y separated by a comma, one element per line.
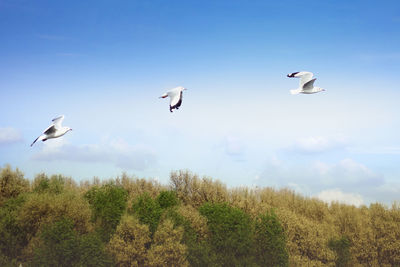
<point>347,173</point>
<point>337,195</point>
<point>318,144</point>
<point>9,135</point>
<point>311,178</point>
<point>116,152</point>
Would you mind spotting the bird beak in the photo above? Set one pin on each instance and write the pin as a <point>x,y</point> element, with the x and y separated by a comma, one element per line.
<point>184,88</point>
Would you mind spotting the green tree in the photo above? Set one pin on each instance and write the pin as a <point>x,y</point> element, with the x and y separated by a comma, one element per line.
<point>270,241</point>
<point>199,252</point>
<point>148,211</point>
<point>40,210</point>
<point>92,251</point>
<point>12,237</point>
<point>128,244</point>
<point>60,245</point>
<point>53,185</point>
<point>167,249</point>
<point>230,234</point>
<point>342,248</point>
<point>12,183</point>
<point>108,203</point>
<point>167,199</point>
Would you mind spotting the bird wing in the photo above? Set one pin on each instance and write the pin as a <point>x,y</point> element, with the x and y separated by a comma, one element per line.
<point>35,140</point>
<point>175,96</point>
<point>58,121</point>
<point>309,85</point>
<point>50,130</point>
<point>304,76</point>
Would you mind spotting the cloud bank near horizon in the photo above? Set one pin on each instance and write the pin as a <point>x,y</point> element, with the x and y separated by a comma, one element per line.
<point>117,152</point>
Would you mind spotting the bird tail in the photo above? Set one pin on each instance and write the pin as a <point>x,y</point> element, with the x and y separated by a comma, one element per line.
<point>295,91</point>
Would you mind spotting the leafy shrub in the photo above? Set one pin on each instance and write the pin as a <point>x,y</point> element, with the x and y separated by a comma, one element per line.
<point>167,249</point>
<point>52,185</point>
<point>92,251</point>
<point>230,234</point>
<point>167,199</point>
<point>270,241</point>
<point>12,183</point>
<point>129,243</point>
<point>62,246</point>
<point>12,237</point>
<point>108,203</point>
<point>40,210</point>
<point>199,252</point>
<point>342,248</point>
<point>148,211</point>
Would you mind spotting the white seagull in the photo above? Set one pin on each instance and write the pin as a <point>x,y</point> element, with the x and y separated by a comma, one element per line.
<point>175,96</point>
<point>54,130</point>
<point>306,85</point>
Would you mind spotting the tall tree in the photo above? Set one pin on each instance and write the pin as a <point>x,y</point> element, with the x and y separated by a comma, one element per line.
<point>128,244</point>
<point>108,203</point>
<point>231,235</point>
<point>270,241</point>
<point>167,249</point>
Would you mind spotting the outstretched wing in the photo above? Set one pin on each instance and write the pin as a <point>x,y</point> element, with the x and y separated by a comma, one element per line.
<point>304,76</point>
<point>35,140</point>
<point>58,121</point>
<point>309,85</point>
<point>176,97</point>
<point>50,130</point>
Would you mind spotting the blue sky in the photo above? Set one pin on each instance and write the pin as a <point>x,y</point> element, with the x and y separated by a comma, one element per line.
<point>103,64</point>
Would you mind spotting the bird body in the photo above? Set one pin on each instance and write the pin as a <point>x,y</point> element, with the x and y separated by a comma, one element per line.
<point>55,130</point>
<point>306,85</point>
<point>175,96</point>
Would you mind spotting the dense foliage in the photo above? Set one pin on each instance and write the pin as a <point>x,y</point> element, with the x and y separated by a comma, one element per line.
<point>52,221</point>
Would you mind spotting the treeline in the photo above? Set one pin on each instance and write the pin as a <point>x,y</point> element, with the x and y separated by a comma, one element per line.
<point>53,221</point>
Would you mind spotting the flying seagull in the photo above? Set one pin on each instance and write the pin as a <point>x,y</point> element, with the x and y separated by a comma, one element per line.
<point>175,96</point>
<point>306,85</point>
<point>54,130</point>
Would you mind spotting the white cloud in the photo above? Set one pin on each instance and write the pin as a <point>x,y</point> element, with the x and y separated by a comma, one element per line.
<point>116,152</point>
<point>9,135</point>
<point>347,172</point>
<point>317,144</point>
<point>310,178</point>
<point>336,195</point>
